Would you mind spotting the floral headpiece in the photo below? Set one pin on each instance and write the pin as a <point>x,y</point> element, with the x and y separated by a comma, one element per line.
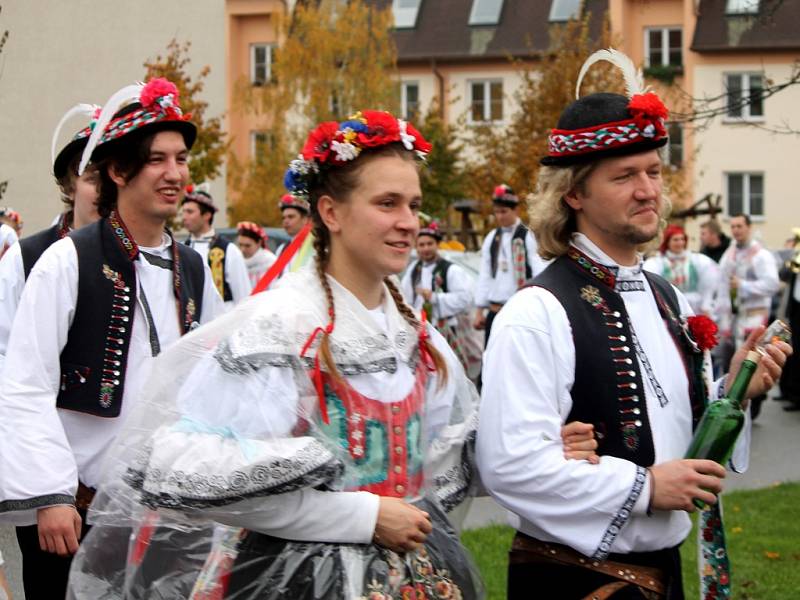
<point>432,229</point>
<point>76,145</point>
<point>333,144</point>
<point>605,124</point>
<point>252,230</point>
<point>135,107</point>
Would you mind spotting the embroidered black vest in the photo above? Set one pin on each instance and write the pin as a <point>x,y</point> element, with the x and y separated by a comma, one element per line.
<point>94,359</point>
<point>439,271</point>
<point>609,389</point>
<point>494,249</point>
<point>217,249</point>
<point>32,247</point>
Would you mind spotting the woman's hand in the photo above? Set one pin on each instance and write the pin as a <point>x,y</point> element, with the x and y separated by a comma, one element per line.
<point>579,442</point>
<point>401,526</point>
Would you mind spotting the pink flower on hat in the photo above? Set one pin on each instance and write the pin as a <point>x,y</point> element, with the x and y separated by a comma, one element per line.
<point>158,88</point>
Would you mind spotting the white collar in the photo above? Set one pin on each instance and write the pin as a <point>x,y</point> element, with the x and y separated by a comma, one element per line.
<point>593,251</point>
<point>205,237</point>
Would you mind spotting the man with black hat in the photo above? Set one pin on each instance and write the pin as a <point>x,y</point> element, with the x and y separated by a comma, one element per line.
<point>294,218</point>
<point>508,259</point>
<point>444,290</point>
<point>97,307</point>
<point>223,257</point>
<point>599,340</point>
<point>80,197</point>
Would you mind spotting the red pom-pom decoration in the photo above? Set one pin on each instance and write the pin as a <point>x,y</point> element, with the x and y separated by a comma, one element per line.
<point>648,109</point>
<point>158,88</point>
<point>704,331</point>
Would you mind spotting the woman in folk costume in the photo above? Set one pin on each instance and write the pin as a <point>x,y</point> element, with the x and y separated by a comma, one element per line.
<point>694,274</point>
<point>252,240</point>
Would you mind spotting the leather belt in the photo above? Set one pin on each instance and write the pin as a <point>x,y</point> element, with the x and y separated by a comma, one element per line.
<point>84,496</point>
<point>650,580</point>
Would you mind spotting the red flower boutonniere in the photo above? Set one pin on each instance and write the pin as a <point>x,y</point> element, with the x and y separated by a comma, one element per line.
<point>703,330</point>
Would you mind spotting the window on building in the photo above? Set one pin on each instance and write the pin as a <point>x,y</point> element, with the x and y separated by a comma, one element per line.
<point>741,7</point>
<point>485,12</point>
<point>675,147</point>
<point>745,100</point>
<point>409,99</point>
<point>564,10</point>
<point>745,194</point>
<point>663,47</point>
<point>405,13</point>
<point>261,142</point>
<point>261,58</point>
<point>486,101</point>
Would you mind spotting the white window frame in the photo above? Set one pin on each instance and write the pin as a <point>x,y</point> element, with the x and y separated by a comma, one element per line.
<point>270,49</point>
<point>745,116</point>
<point>475,20</point>
<point>746,209</point>
<point>665,31</point>
<point>404,85</point>
<point>743,7</point>
<point>560,18</point>
<point>487,107</point>
<point>405,18</point>
<point>668,158</point>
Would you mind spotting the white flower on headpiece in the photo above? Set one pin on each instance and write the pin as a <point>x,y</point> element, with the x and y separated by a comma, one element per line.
<point>166,101</point>
<point>649,131</point>
<point>302,166</point>
<point>344,150</point>
<point>405,137</point>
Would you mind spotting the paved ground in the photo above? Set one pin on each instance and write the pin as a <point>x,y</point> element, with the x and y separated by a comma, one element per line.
<point>775,456</point>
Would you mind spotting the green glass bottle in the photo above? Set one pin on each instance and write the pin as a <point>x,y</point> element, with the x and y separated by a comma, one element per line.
<point>718,430</point>
<point>723,419</point>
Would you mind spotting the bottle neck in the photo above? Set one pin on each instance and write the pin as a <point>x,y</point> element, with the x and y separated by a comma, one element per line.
<point>737,392</point>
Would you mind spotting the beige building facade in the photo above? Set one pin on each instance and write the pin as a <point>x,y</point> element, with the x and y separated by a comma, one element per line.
<point>61,53</point>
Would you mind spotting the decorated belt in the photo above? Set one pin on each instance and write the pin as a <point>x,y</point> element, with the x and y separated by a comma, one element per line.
<point>526,550</point>
<point>84,496</point>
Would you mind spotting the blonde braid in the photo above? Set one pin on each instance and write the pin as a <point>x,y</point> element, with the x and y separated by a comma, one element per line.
<point>408,314</point>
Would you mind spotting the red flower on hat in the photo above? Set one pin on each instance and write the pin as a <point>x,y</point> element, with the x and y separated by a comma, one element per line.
<point>318,144</point>
<point>420,143</point>
<point>158,88</point>
<point>703,330</point>
<point>648,109</point>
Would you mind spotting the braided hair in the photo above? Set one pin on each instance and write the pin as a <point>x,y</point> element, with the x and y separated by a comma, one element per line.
<point>338,184</point>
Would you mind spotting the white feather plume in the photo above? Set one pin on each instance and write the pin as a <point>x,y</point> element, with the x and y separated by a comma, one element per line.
<point>128,94</point>
<point>634,82</point>
<point>86,110</point>
<point>204,187</point>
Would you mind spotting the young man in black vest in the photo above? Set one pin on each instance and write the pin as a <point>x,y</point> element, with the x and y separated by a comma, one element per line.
<point>80,197</point>
<point>97,307</point>
<point>224,258</point>
<point>508,259</point>
<point>444,290</point>
<point>597,339</point>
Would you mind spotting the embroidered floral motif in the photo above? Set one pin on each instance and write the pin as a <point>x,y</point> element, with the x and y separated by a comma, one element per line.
<point>592,295</point>
<point>415,578</point>
<point>598,271</point>
<point>715,572</point>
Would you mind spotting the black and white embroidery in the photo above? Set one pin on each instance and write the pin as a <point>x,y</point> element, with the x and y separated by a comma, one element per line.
<point>651,376</point>
<point>635,285</point>
<point>33,503</point>
<point>622,516</point>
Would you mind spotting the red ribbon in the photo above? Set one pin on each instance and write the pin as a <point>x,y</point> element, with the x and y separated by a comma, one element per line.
<point>424,353</point>
<point>279,265</point>
<point>316,372</point>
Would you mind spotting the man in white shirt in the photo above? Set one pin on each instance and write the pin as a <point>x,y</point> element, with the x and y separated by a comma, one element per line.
<point>224,257</point>
<point>508,259</point>
<point>8,237</point>
<point>97,307</point>
<point>598,340</point>
<point>444,290</point>
<point>749,280</point>
<point>294,218</point>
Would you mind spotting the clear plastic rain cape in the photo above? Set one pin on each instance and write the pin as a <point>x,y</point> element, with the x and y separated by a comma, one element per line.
<point>235,478</point>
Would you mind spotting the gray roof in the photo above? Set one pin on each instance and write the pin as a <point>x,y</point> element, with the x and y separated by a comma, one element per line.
<point>776,27</point>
